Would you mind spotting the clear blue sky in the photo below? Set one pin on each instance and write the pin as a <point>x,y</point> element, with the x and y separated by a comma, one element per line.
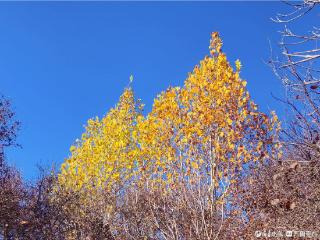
<point>63,63</point>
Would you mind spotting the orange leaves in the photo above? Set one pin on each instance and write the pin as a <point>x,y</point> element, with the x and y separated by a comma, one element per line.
<point>229,121</point>
<point>107,150</point>
<point>215,44</point>
<point>194,165</point>
<point>204,131</point>
<point>238,65</point>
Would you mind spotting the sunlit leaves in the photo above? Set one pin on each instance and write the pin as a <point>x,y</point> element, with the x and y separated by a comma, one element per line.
<point>205,132</point>
<point>211,118</point>
<point>107,151</point>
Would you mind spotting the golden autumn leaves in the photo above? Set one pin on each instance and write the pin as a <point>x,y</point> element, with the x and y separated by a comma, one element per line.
<point>107,150</point>
<point>205,132</point>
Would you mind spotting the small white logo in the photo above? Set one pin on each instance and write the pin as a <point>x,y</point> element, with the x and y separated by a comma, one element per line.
<point>289,234</point>
<point>258,233</point>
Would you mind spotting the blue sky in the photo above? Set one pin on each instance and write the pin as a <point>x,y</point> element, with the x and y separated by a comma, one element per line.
<point>62,63</point>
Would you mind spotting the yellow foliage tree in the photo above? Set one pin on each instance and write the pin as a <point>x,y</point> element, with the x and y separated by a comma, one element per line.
<point>204,133</point>
<point>107,151</point>
<point>208,130</point>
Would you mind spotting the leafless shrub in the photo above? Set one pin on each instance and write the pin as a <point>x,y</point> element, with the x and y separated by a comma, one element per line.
<point>284,194</point>
<point>11,195</point>
<point>280,196</point>
<point>11,186</point>
<point>298,68</point>
<point>187,212</point>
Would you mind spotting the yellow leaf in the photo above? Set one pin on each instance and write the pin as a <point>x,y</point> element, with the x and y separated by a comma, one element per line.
<point>229,121</point>
<point>238,65</point>
<point>194,165</point>
<point>72,148</point>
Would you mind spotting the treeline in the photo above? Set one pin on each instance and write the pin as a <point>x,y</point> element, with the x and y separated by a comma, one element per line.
<point>205,163</point>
